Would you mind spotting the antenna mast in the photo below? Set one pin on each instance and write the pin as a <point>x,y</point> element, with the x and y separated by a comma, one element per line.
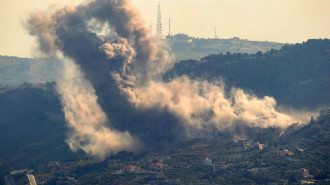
<point>169,26</point>
<point>159,21</point>
<point>215,33</point>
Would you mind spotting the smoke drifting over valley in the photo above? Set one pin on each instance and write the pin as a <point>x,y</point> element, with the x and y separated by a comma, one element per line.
<point>112,91</point>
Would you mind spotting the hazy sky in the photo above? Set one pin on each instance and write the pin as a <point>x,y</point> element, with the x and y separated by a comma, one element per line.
<point>287,21</point>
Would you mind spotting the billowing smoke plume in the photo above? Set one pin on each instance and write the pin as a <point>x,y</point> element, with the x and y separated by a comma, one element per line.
<point>86,118</point>
<point>108,41</point>
<point>42,25</point>
<point>201,104</point>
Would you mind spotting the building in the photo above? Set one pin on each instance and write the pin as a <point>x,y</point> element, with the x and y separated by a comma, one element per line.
<point>158,165</point>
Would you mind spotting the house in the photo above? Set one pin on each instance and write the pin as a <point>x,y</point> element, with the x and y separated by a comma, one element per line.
<point>158,165</point>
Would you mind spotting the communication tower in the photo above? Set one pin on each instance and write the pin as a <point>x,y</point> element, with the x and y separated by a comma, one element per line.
<point>215,33</point>
<point>159,21</point>
<point>169,27</point>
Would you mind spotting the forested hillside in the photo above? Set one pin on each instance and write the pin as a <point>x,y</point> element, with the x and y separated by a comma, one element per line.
<point>32,127</point>
<point>296,75</point>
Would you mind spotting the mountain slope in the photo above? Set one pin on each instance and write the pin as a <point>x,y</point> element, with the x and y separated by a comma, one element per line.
<point>296,75</point>
<point>32,127</point>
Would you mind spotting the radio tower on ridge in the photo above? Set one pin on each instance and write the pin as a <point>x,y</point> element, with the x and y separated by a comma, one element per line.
<point>159,21</point>
<point>169,27</point>
<point>215,33</point>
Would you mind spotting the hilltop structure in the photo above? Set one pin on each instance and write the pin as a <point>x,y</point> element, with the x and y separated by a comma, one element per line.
<point>184,47</point>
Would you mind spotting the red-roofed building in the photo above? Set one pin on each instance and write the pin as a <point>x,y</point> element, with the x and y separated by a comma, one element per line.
<point>158,165</point>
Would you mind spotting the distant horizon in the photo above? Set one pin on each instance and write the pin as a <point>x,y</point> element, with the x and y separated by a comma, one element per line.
<point>41,57</point>
<point>228,38</point>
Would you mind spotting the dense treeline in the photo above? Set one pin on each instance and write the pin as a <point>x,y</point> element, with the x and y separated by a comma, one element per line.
<point>296,75</point>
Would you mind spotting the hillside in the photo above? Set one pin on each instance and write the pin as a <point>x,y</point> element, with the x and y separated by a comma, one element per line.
<point>15,70</point>
<point>296,157</point>
<point>183,47</point>
<point>296,75</point>
<point>32,127</point>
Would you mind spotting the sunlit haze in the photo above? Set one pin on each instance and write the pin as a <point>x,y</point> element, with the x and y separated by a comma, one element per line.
<point>287,21</point>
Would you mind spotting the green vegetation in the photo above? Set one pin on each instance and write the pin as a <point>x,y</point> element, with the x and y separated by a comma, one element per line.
<point>296,75</point>
<point>301,154</point>
<point>32,127</point>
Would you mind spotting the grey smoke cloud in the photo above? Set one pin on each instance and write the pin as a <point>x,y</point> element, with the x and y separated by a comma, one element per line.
<point>86,118</point>
<point>117,99</point>
<point>201,104</point>
<point>41,25</point>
